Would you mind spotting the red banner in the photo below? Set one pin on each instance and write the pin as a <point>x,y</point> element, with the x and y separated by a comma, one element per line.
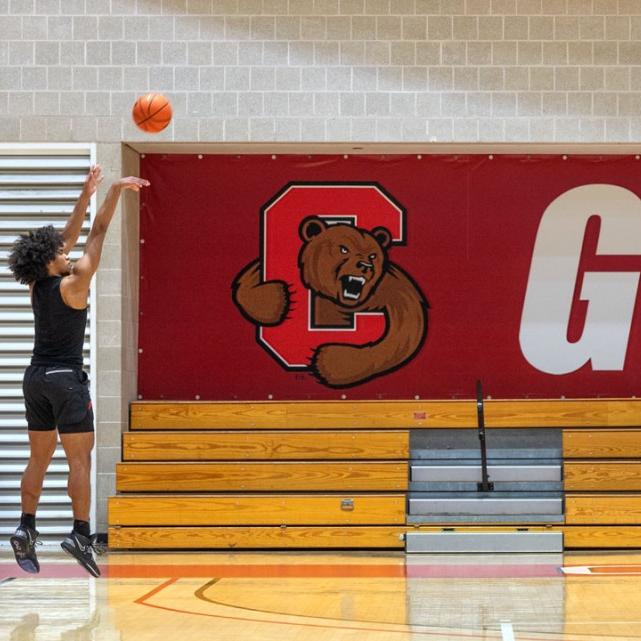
<point>389,277</point>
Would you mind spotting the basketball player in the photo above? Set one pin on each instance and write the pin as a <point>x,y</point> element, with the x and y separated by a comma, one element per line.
<point>56,389</point>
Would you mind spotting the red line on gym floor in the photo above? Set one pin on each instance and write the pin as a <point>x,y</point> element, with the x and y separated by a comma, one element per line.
<point>163,571</point>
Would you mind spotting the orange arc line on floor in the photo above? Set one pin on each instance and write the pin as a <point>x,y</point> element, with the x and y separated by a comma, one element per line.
<point>463,635</point>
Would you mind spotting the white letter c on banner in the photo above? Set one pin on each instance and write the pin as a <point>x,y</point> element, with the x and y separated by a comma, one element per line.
<point>611,296</point>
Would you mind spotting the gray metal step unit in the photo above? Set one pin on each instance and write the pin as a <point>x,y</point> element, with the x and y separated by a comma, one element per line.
<point>520,454</point>
<point>502,487</point>
<point>475,494</point>
<point>501,443</point>
<point>485,506</point>
<point>483,542</point>
<point>484,519</point>
<point>495,473</point>
<point>490,461</point>
<point>524,559</point>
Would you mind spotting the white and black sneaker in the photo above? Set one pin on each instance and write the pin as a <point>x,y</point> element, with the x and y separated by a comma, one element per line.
<point>81,548</point>
<point>24,542</point>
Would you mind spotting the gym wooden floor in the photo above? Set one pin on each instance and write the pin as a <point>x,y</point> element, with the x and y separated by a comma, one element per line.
<point>329,597</point>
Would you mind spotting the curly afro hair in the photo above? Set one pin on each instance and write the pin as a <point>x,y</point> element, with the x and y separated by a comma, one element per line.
<point>32,252</point>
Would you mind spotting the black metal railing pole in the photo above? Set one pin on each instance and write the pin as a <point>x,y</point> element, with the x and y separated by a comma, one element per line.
<point>484,485</point>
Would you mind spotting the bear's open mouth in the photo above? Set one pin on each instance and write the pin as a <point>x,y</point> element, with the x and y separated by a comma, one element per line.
<point>352,286</point>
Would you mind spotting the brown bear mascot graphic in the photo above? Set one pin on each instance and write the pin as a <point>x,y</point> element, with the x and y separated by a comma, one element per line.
<point>347,270</point>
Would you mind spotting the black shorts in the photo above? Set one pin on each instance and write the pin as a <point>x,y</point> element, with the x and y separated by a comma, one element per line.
<point>57,397</point>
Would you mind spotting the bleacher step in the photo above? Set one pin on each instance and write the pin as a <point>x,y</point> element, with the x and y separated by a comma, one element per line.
<point>485,519</point>
<point>483,542</point>
<point>471,487</point>
<point>516,473</point>
<point>485,506</point>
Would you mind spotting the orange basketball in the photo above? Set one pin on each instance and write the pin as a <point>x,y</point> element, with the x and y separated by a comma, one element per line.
<point>152,112</point>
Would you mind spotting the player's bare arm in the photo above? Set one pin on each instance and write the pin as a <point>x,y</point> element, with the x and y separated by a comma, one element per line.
<point>72,229</point>
<point>75,287</point>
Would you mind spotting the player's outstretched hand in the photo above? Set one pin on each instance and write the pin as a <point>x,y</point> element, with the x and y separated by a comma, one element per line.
<point>132,182</point>
<point>93,179</point>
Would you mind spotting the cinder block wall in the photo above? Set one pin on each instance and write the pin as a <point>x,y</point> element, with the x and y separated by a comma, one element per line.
<point>303,71</point>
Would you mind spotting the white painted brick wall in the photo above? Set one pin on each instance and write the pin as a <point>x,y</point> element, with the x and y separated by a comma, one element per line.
<point>323,70</point>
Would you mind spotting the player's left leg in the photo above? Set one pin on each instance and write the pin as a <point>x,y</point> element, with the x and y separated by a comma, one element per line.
<point>79,543</point>
<point>68,392</point>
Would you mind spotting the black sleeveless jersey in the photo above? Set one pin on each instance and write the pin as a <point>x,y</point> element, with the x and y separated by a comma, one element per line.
<point>60,329</point>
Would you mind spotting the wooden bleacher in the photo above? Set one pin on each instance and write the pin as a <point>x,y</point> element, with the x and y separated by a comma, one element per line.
<point>246,480</point>
<point>335,474</point>
<point>603,487</point>
<point>265,446</point>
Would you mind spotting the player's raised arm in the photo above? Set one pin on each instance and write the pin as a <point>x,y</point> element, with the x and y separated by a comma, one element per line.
<point>87,265</point>
<point>72,229</point>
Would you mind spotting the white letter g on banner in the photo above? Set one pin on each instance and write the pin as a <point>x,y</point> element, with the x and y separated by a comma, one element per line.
<point>611,296</point>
